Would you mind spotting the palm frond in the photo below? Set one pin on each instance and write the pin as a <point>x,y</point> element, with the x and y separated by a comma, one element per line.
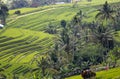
<point>98,15</point>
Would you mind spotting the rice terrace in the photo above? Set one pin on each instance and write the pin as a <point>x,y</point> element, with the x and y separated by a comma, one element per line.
<point>59,39</point>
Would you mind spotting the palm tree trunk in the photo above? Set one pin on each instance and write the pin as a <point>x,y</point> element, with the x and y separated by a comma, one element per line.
<point>3,20</point>
<point>114,65</point>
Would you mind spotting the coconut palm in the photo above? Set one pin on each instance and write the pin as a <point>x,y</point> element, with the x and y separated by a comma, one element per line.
<point>117,20</point>
<point>51,29</point>
<point>63,23</point>
<point>76,23</point>
<point>104,35</point>
<point>106,13</point>
<point>77,19</point>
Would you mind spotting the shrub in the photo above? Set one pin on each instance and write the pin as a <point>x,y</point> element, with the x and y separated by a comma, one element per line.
<point>88,74</point>
<point>18,12</point>
<point>2,76</point>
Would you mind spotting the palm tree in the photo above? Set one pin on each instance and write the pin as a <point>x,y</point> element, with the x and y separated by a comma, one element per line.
<point>51,29</point>
<point>77,19</point>
<point>106,13</point>
<point>104,35</point>
<point>117,20</point>
<point>77,24</point>
<point>3,13</point>
<point>63,23</point>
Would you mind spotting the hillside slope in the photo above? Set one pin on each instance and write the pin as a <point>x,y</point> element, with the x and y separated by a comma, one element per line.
<point>24,38</point>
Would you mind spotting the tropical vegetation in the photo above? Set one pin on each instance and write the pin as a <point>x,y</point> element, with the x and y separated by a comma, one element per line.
<point>60,41</point>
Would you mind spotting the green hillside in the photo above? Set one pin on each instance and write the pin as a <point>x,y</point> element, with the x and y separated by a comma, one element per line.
<point>24,37</point>
<point>19,47</point>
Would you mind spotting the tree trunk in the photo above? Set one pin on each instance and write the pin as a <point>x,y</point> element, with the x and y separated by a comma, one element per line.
<point>3,20</point>
<point>114,65</point>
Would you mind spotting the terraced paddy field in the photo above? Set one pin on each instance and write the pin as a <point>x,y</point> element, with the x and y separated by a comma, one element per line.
<point>18,47</point>
<point>39,20</point>
<point>23,37</point>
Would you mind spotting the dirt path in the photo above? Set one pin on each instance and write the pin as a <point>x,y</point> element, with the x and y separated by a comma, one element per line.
<point>15,18</point>
<point>35,13</point>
